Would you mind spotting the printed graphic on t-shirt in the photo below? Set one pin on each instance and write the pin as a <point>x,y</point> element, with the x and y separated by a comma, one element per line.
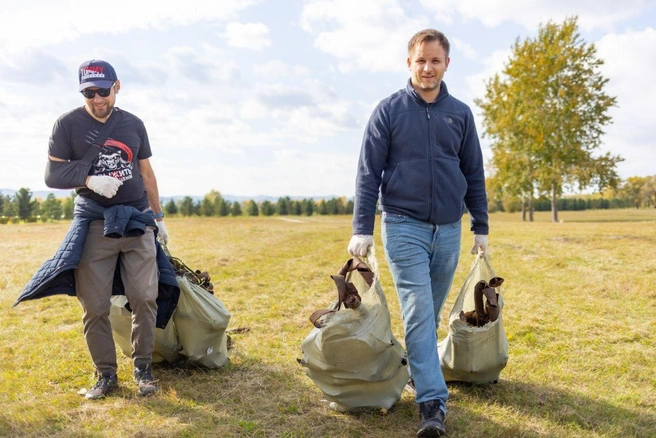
<point>115,159</point>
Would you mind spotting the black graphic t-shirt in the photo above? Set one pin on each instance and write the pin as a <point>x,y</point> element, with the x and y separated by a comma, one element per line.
<point>74,133</point>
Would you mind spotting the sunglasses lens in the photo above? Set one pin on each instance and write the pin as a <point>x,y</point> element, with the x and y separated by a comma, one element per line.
<point>90,94</point>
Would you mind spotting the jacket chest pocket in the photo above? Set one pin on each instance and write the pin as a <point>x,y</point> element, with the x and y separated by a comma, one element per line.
<point>447,135</point>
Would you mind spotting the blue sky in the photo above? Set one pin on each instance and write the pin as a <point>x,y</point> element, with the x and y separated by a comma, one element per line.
<point>252,97</point>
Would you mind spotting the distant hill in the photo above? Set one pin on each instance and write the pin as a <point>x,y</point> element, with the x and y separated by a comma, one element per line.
<point>232,198</point>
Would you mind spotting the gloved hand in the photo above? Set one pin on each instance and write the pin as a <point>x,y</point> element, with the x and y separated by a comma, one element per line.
<point>162,234</point>
<point>480,241</point>
<point>104,185</point>
<point>359,244</point>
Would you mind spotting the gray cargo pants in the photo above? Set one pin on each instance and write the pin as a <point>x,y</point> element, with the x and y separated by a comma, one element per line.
<point>94,279</point>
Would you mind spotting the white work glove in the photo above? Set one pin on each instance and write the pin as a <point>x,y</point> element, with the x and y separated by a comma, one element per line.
<point>359,245</point>
<point>480,241</point>
<point>162,234</point>
<point>104,185</point>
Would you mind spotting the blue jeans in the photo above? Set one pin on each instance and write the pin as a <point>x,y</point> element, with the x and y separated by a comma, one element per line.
<point>422,258</point>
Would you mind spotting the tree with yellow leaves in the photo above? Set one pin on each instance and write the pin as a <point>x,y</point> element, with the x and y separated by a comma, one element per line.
<point>545,116</point>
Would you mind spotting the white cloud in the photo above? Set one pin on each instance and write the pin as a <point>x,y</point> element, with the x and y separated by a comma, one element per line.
<point>207,66</point>
<point>305,174</point>
<point>35,23</point>
<point>630,66</point>
<point>28,67</point>
<point>368,35</point>
<point>254,36</point>
<point>602,14</point>
<point>492,64</point>
<point>278,70</point>
<point>277,96</point>
<point>467,50</point>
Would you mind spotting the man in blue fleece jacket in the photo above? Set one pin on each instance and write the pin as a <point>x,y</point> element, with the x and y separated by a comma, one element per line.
<point>119,174</point>
<point>422,160</point>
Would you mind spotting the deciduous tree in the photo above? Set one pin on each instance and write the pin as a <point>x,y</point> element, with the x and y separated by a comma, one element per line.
<point>545,115</point>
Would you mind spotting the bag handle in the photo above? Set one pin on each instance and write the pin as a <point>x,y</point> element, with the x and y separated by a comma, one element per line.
<point>347,293</point>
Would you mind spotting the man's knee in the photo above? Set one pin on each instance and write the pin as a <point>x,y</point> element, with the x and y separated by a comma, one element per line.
<point>94,310</point>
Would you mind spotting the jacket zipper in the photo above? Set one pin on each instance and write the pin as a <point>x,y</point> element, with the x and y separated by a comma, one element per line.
<point>430,167</point>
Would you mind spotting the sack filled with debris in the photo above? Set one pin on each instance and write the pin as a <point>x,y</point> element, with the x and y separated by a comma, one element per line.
<point>197,329</point>
<point>351,354</point>
<point>200,318</point>
<point>167,348</point>
<point>476,348</point>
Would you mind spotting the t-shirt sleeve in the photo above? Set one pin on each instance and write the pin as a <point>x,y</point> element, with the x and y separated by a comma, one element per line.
<point>59,145</point>
<point>144,149</point>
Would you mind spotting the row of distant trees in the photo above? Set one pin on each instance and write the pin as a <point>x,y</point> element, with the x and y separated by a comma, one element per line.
<point>214,204</point>
<point>634,192</point>
<point>22,207</point>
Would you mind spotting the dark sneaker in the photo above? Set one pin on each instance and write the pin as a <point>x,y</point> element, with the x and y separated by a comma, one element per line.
<point>431,419</point>
<point>143,377</point>
<point>107,382</point>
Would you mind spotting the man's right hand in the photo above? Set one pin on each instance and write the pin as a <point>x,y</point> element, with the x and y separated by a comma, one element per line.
<point>359,245</point>
<point>104,185</point>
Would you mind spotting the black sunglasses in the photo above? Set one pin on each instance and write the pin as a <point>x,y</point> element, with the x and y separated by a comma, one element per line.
<point>102,92</point>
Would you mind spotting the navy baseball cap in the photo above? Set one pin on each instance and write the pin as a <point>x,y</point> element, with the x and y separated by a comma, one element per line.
<point>96,73</point>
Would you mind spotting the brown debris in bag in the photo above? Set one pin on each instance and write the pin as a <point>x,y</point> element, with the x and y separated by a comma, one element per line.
<point>484,313</point>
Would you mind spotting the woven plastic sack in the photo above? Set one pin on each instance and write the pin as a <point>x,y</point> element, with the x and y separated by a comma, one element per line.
<point>201,320</point>
<point>468,353</point>
<point>167,348</point>
<point>351,354</point>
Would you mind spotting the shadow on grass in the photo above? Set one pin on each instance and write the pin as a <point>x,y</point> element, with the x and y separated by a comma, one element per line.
<point>251,398</point>
<point>579,414</point>
<point>254,399</point>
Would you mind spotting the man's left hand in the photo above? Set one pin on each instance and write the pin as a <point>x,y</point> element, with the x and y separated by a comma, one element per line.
<point>162,234</point>
<point>480,242</point>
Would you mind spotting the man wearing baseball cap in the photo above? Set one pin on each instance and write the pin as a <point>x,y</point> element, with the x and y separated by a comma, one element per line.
<point>118,208</point>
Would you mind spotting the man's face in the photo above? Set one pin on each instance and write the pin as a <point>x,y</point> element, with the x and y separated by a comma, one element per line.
<point>427,64</point>
<point>101,107</point>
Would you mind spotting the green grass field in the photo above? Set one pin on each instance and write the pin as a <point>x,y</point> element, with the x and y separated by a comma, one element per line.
<point>579,314</point>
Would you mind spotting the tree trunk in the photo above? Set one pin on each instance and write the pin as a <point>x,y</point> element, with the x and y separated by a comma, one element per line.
<point>523,209</point>
<point>530,209</point>
<point>554,205</point>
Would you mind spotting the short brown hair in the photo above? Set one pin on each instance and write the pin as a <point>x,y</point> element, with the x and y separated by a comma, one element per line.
<point>428,35</point>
